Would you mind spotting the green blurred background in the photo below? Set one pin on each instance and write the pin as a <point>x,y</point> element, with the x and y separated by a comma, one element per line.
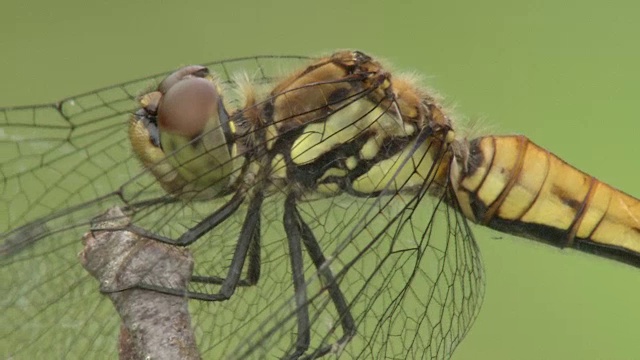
<point>564,73</point>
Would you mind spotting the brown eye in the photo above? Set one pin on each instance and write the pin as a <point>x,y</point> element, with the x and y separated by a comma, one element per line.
<point>197,71</point>
<point>187,105</point>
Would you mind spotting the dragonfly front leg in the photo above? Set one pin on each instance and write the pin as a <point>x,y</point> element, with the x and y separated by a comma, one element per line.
<point>248,246</point>
<point>249,234</point>
<point>253,267</point>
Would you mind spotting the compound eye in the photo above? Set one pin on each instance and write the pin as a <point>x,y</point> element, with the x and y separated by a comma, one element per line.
<point>187,106</point>
<point>191,71</point>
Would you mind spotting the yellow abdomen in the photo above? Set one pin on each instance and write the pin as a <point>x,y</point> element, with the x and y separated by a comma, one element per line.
<point>513,185</point>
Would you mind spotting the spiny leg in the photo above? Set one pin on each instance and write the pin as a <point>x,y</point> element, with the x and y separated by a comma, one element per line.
<point>315,252</point>
<point>298,230</point>
<point>294,239</point>
<point>246,247</point>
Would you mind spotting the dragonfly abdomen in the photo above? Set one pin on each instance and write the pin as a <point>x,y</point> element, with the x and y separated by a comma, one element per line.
<point>511,184</point>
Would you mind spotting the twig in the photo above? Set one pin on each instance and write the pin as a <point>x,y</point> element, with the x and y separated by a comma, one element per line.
<point>154,325</point>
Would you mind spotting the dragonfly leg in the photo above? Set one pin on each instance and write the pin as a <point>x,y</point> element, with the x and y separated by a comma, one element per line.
<point>298,228</point>
<point>249,235</point>
<point>253,267</point>
<point>206,225</point>
<point>339,301</point>
<point>294,238</point>
<point>203,227</point>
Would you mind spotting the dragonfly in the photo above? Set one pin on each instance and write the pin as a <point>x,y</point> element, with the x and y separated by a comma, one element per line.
<point>325,211</point>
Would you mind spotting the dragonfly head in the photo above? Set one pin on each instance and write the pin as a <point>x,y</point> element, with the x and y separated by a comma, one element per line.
<point>192,148</point>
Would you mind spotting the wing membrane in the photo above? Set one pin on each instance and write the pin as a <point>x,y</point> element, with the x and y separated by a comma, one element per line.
<point>412,277</point>
<point>66,163</point>
<point>408,266</point>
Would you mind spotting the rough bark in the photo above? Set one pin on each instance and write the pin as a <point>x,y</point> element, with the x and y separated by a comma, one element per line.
<point>154,325</point>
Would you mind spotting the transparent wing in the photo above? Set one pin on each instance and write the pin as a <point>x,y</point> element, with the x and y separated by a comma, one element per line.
<point>406,264</point>
<point>61,165</point>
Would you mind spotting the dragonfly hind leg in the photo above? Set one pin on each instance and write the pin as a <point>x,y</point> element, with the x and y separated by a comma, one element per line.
<point>298,231</point>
